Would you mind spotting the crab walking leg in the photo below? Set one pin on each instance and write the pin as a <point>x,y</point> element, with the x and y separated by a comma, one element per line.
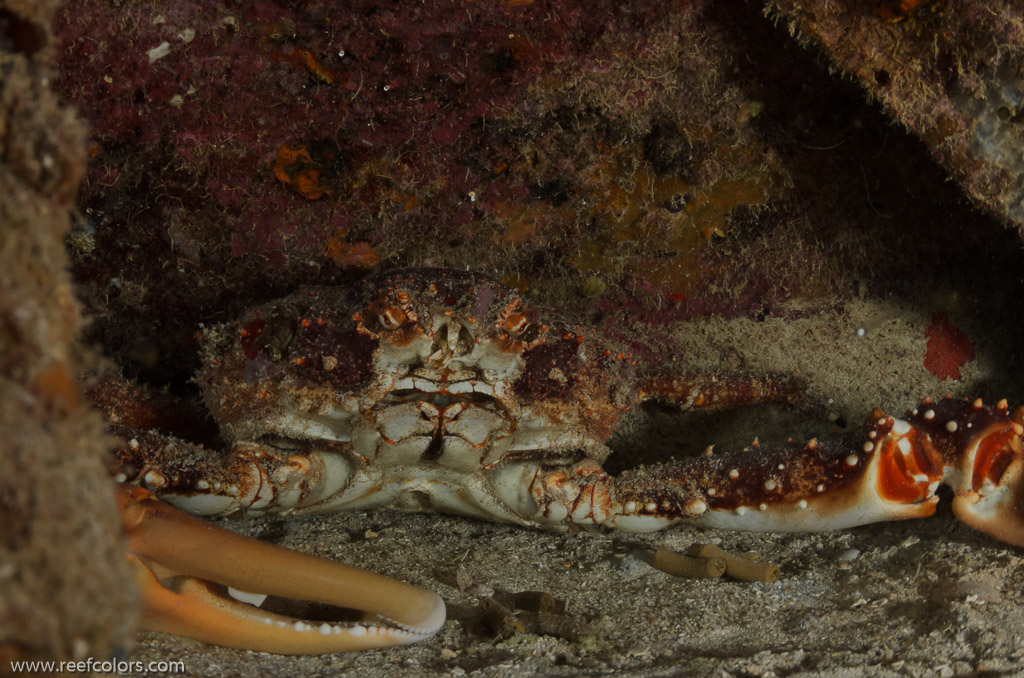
<point>166,544</point>
<point>713,391</point>
<point>250,477</point>
<point>889,472</point>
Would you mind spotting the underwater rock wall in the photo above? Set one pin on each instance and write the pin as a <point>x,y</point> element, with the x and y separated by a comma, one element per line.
<point>63,592</point>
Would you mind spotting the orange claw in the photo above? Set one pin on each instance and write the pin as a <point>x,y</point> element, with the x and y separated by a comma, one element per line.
<point>991,496</point>
<point>179,561</point>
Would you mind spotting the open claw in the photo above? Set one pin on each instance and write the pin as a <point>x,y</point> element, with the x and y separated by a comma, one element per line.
<point>181,564</point>
<point>891,472</point>
<point>996,509</point>
<point>990,494</point>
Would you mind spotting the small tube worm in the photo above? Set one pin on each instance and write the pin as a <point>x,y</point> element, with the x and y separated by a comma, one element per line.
<point>499,619</point>
<point>557,625</point>
<point>737,566</point>
<point>688,566</point>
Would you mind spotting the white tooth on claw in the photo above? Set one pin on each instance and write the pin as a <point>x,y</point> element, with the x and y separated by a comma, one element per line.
<point>254,599</point>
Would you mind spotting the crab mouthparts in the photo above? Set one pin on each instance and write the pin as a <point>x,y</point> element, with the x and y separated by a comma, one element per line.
<point>442,416</point>
<point>442,400</point>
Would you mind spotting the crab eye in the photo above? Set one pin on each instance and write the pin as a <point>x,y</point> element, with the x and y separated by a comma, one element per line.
<point>392,318</point>
<point>523,327</point>
<point>520,321</point>
<point>517,323</point>
<point>273,333</point>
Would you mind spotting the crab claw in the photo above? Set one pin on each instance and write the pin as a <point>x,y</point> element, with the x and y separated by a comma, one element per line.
<point>975,450</point>
<point>891,471</point>
<point>183,566</point>
<point>990,497</point>
<point>999,511</point>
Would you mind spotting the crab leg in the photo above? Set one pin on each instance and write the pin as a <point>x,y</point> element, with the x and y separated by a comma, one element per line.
<point>249,477</point>
<point>178,559</point>
<point>889,472</point>
<point>713,391</point>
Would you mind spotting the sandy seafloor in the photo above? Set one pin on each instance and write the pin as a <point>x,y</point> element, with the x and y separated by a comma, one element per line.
<point>915,598</point>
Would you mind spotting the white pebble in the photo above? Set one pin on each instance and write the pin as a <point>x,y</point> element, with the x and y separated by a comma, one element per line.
<point>849,555</point>
<point>159,52</point>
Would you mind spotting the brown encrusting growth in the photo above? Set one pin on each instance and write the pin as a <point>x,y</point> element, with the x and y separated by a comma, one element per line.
<point>614,160</point>
<point>951,71</point>
<point>63,592</point>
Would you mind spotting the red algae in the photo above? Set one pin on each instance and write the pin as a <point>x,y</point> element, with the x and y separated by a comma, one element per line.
<point>948,347</point>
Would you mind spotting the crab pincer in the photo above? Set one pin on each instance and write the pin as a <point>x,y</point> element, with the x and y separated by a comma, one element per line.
<point>889,471</point>
<point>188,571</point>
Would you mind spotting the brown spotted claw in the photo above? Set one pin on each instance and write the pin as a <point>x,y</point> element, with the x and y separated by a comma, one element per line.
<point>890,471</point>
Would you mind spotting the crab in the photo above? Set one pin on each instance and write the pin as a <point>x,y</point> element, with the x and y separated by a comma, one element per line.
<point>444,390</point>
